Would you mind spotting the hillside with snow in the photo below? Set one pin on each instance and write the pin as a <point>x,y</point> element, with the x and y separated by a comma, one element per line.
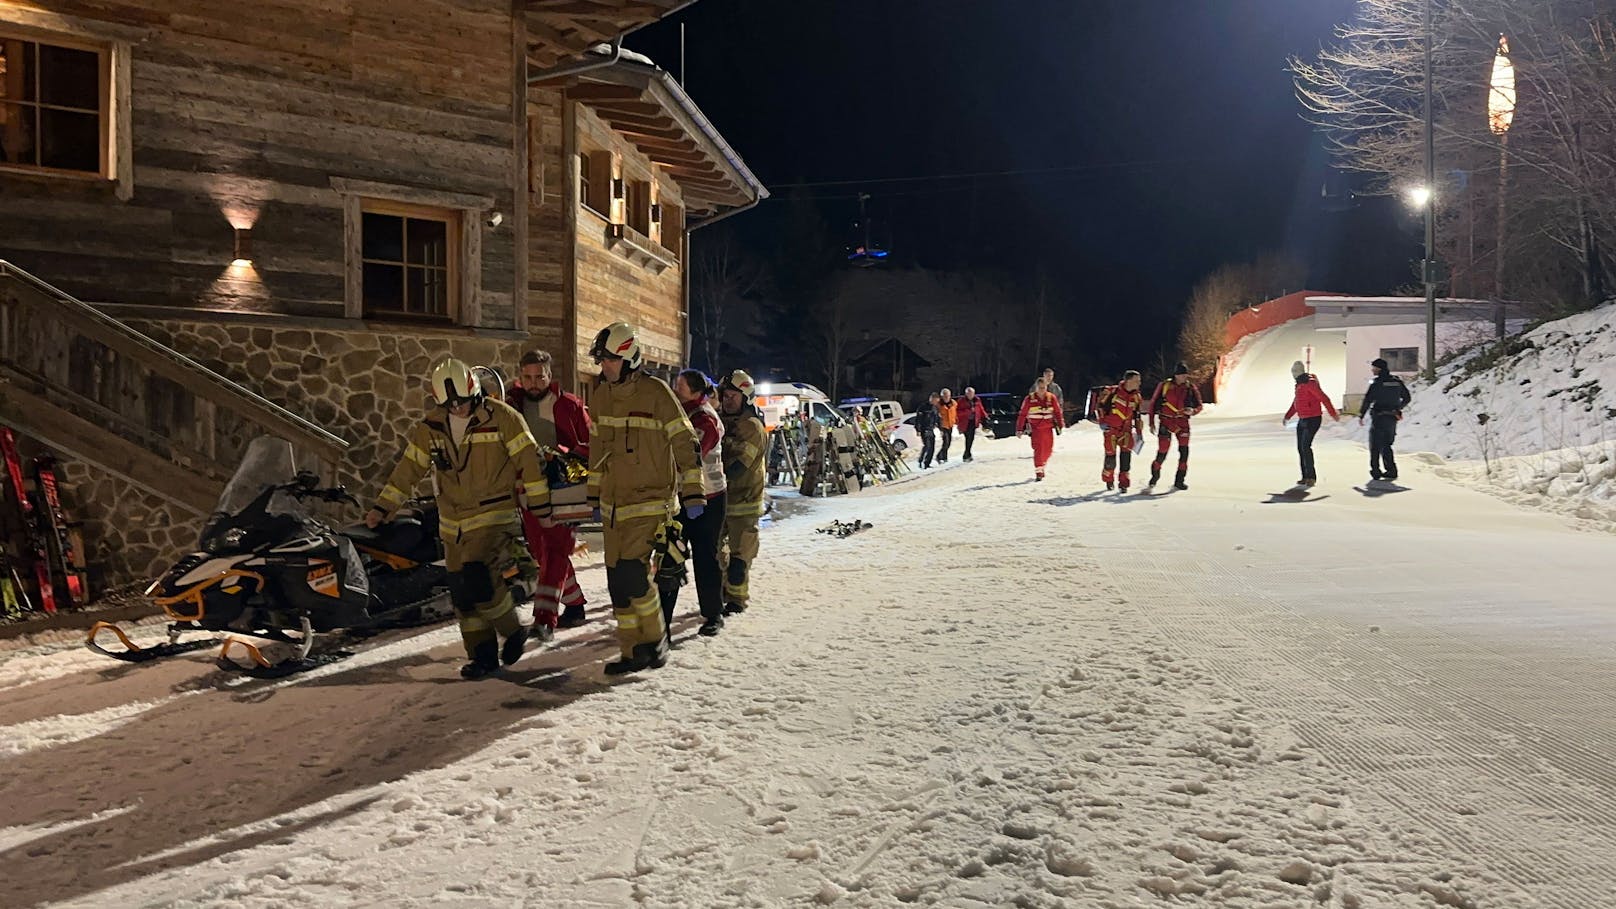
<point>1533,418</point>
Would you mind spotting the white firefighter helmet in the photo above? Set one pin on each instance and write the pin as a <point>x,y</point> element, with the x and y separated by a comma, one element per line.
<point>739,381</point>
<point>618,339</point>
<point>453,383</point>
<point>490,381</point>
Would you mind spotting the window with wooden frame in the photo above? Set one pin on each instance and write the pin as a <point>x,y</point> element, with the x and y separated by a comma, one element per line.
<point>595,182</point>
<point>410,261</point>
<point>55,105</point>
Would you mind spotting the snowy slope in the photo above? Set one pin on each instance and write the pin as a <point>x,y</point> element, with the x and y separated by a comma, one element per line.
<point>1259,379</point>
<point>1001,694</point>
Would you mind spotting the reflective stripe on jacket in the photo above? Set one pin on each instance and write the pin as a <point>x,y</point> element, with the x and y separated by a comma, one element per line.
<point>745,444</point>
<point>643,451</point>
<point>476,478</point>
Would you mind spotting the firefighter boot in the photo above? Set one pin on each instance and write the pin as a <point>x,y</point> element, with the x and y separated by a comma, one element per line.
<point>484,660</point>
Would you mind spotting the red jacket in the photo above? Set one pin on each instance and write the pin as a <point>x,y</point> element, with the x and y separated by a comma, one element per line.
<point>708,428</point>
<point>1039,411</point>
<point>571,417</point>
<point>969,413</point>
<point>1310,398</point>
<point>1119,407</point>
<point>1174,400</point>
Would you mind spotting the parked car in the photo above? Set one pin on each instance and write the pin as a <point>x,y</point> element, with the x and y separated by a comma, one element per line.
<point>904,437</point>
<point>884,414</point>
<point>1002,408</point>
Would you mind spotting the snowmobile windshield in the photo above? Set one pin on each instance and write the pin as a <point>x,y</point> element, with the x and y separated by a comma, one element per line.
<point>268,462</point>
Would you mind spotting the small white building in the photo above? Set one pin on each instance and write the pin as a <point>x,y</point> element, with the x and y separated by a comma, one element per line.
<point>1393,329</point>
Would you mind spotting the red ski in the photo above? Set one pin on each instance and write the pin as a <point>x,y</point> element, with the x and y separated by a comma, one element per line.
<point>60,535</point>
<point>30,519</point>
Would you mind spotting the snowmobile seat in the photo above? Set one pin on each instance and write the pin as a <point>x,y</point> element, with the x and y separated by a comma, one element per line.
<point>406,537</point>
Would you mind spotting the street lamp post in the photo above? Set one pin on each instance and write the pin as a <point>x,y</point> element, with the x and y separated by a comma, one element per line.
<point>1500,116</point>
<point>1428,267</point>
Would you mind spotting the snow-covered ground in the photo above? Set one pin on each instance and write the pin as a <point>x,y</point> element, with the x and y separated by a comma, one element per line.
<point>1535,425</point>
<point>1001,694</point>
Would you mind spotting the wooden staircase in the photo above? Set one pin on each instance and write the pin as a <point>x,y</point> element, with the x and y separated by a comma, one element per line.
<point>94,389</point>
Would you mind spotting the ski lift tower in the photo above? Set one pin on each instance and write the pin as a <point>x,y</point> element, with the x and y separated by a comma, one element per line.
<point>865,252</point>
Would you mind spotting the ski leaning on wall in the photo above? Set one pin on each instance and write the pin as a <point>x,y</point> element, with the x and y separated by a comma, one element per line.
<point>63,541</point>
<point>31,519</point>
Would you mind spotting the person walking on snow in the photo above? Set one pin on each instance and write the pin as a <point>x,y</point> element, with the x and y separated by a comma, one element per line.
<point>1308,407</point>
<point>704,532</point>
<point>559,422</point>
<point>1118,412</point>
<point>947,416</point>
<point>926,422</point>
<point>1383,403</point>
<point>476,448</point>
<point>643,455</point>
<point>1053,387</point>
<point>1175,401</point>
<point>1041,416</point>
<point>969,415</point>
<point>744,442</point>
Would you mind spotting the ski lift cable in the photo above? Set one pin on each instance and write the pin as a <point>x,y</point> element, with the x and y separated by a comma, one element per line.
<point>1033,171</point>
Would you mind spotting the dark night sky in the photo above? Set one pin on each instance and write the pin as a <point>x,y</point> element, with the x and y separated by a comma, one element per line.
<point>1192,95</point>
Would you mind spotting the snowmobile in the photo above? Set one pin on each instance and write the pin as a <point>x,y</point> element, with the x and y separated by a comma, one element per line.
<point>266,566</point>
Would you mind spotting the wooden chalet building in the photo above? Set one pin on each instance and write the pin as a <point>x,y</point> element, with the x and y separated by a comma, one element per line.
<point>220,220</point>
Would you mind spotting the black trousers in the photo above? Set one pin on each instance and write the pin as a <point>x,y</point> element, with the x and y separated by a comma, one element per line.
<point>1306,429</point>
<point>969,433</point>
<point>928,447</point>
<point>942,453</point>
<point>1382,433</point>
<point>703,534</point>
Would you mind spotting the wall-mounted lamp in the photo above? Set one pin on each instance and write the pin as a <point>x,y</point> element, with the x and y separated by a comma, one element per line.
<point>243,247</point>
<point>617,187</point>
<point>656,212</point>
<point>495,219</point>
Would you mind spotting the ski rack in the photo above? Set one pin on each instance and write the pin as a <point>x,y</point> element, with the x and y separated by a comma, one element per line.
<point>134,653</point>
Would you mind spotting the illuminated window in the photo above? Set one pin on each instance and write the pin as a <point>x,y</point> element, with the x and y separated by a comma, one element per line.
<point>53,106</point>
<point>409,261</point>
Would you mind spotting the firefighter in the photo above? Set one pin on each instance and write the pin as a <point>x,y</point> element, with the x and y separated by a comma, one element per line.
<point>476,448</point>
<point>1118,412</point>
<point>560,425</point>
<point>1175,401</point>
<point>643,454</point>
<point>744,445</point>
<point>1041,416</point>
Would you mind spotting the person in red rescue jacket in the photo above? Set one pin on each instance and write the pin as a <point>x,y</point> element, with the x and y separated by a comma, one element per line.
<point>559,422</point>
<point>1041,416</point>
<point>695,393</point>
<point>969,415</point>
<point>1119,414</point>
<point>1308,407</point>
<point>1175,401</point>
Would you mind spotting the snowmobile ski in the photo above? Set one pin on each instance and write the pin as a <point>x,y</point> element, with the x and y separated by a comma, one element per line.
<point>134,653</point>
<point>262,668</point>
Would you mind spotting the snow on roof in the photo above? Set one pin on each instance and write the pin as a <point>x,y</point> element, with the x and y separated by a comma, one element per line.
<point>605,50</point>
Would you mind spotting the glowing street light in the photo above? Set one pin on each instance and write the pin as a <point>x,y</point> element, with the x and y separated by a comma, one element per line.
<point>1500,116</point>
<point>1501,100</point>
<point>1419,197</point>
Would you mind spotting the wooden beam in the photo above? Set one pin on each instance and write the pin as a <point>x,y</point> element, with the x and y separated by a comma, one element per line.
<point>600,91</point>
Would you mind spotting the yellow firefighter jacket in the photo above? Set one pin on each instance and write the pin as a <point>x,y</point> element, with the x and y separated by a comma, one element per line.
<point>643,450</point>
<point>745,443</point>
<point>476,477</point>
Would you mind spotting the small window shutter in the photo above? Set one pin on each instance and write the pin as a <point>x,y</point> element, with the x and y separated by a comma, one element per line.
<point>672,230</point>
<point>600,181</point>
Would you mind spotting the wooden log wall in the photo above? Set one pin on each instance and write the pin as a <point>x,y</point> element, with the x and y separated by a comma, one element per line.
<point>610,287</point>
<point>549,239</point>
<point>242,114</point>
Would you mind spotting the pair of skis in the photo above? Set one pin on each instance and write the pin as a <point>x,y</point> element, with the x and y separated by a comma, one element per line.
<point>53,546</point>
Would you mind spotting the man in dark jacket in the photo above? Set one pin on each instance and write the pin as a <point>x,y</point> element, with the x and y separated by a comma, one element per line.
<point>1383,404</point>
<point>926,422</point>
